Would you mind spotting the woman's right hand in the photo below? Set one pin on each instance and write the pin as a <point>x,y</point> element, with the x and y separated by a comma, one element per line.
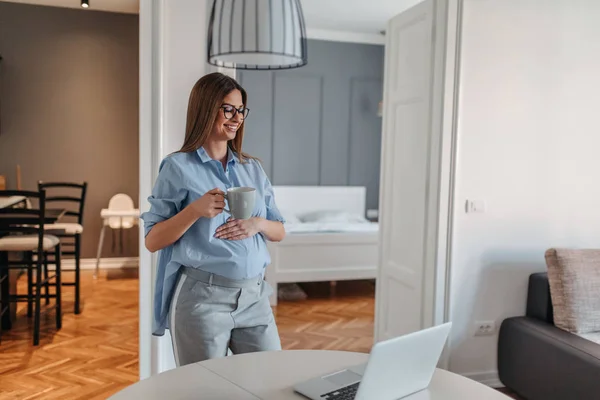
<point>211,204</point>
<point>169,231</point>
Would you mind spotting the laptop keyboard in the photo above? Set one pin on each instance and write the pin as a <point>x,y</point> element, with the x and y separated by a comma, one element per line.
<point>345,393</point>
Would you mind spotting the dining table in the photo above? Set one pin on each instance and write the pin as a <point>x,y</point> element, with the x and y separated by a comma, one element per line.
<point>272,375</point>
<point>12,201</point>
<point>51,216</point>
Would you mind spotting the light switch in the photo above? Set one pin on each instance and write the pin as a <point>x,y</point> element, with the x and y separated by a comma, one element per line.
<point>475,206</point>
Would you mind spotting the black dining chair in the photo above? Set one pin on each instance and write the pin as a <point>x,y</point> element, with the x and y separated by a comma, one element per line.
<point>72,195</point>
<point>22,230</point>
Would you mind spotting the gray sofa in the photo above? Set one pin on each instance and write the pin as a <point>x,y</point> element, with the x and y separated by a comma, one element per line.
<point>539,361</point>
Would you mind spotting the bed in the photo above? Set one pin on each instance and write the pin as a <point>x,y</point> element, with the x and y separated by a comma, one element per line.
<point>328,238</point>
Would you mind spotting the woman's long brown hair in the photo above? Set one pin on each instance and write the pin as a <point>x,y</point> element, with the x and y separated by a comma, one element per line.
<point>204,105</point>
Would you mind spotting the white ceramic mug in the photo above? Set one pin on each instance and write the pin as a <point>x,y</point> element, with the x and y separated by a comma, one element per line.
<point>241,202</point>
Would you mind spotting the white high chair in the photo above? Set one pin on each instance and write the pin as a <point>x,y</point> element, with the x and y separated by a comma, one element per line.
<point>120,214</point>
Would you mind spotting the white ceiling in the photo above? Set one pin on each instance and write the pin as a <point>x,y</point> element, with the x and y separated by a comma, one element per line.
<point>121,6</point>
<point>359,16</point>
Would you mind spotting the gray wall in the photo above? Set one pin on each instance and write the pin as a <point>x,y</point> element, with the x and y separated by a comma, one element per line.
<point>69,98</point>
<point>318,125</point>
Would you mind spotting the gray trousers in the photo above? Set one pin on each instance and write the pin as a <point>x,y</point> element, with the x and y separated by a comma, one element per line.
<point>210,314</point>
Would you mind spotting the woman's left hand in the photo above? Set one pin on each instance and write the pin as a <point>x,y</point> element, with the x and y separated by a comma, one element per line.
<point>238,229</point>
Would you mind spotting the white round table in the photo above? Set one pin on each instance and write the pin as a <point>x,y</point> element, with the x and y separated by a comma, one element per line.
<point>271,375</point>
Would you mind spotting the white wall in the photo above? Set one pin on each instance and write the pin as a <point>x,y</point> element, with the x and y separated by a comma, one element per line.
<point>184,58</point>
<point>184,62</point>
<point>173,58</point>
<point>528,140</point>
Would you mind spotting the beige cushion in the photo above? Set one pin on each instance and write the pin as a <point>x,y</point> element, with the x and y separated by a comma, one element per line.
<point>574,277</point>
<point>27,243</point>
<point>68,228</point>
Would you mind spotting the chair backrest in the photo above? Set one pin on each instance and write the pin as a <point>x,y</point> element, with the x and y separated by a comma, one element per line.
<point>67,193</point>
<point>120,202</point>
<point>19,220</point>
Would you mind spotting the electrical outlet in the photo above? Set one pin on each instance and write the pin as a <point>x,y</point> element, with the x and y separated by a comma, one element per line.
<point>485,328</point>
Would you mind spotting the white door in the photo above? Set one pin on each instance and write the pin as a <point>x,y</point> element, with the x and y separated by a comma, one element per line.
<point>409,196</point>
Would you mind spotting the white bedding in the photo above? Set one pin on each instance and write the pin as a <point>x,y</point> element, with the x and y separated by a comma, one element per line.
<point>331,227</point>
<point>329,238</point>
<point>327,221</point>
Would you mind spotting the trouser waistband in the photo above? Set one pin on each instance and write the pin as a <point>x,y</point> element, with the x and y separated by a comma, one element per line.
<point>214,279</point>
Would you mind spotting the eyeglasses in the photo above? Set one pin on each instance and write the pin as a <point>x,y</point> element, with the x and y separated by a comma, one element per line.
<point>229,111</point>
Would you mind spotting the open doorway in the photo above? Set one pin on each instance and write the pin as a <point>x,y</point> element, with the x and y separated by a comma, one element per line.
<point>170,72</point>
<point>317,131</point>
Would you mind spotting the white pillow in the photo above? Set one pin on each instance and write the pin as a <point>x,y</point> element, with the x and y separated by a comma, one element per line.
<point>332,216</point>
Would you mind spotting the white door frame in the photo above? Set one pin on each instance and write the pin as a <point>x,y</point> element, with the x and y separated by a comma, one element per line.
<point>168,32</point>
<point>450,132</point>
<point>150,148</point>
<point>445,74</point>
<point>450,63</point>
<point>151,137</point>
<point>446,70</point>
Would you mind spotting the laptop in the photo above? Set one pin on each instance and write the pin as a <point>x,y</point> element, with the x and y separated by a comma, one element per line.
<point>396,368</point>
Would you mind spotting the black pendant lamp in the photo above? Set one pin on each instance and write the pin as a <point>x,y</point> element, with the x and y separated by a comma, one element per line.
<point>257,34</point>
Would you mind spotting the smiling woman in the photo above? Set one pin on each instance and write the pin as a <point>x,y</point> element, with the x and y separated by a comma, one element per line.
<point>210,288</point>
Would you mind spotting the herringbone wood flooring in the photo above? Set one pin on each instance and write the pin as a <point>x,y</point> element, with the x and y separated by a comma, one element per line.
<point>95,354</point>
<point>343,322</point>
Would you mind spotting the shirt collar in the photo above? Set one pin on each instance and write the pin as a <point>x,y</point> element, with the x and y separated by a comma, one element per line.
<point>204,157</point>
<point>231,157</point>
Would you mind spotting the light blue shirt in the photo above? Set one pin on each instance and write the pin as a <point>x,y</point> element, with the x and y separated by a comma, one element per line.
<point>183,178</point>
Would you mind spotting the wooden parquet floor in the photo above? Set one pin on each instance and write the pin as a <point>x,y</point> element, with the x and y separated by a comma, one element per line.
<point>95,354</point>
<point>343,322</point>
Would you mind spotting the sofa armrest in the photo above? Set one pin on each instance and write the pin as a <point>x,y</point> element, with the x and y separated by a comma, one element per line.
<point>542,362</point>
<point>539,301</point>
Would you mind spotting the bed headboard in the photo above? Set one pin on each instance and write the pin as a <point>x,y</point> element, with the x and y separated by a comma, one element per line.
<point>303,199</point>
